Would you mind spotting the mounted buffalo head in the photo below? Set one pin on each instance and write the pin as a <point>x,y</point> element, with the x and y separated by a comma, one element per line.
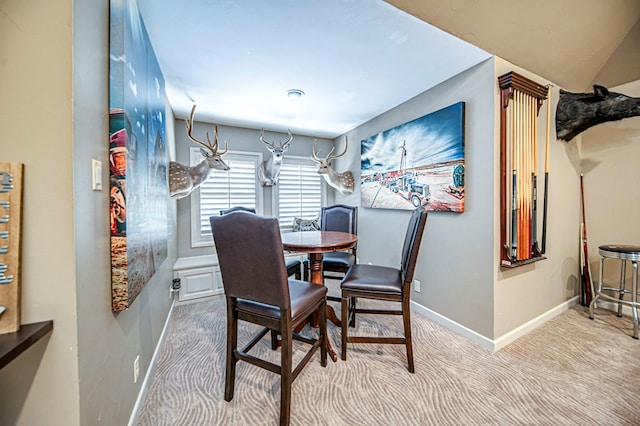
<point>577,112</point>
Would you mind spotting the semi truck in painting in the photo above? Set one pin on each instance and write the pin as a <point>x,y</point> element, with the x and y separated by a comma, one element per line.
<point>409,188</point>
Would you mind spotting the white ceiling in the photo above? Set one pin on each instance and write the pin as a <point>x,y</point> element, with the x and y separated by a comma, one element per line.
<point>354,59</point>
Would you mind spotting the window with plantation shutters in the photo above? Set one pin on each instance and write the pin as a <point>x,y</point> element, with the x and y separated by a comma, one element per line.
<point>298,192</point>
<point>222,190</point>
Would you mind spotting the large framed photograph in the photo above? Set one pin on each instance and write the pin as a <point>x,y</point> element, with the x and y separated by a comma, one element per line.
<point>418,163</point>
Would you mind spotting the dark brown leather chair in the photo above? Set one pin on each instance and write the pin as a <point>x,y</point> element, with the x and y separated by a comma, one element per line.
<point>258,291</point>
<point>342,218</point>
<point>294,266</point>
<point>237,209</point>
<point>387,284</point>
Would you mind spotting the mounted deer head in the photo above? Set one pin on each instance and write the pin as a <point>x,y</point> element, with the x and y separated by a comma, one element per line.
<point>343,182</point>
<point>269,170</point>
<point>184,179</point>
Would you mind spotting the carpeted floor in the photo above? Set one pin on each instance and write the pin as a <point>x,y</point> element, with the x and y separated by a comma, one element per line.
<point>569,371</point>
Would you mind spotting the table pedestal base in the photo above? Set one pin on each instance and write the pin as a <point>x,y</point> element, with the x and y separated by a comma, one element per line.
<point>315,243</point>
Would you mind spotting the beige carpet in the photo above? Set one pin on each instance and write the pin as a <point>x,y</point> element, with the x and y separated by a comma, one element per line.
<point>569,371</point>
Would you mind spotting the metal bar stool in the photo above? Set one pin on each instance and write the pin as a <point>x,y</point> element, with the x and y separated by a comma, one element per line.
<point>624,253</point>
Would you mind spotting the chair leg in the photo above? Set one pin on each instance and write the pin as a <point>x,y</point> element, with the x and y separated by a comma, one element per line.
<point>274,340</point>
<point>285,374</point>
<point>352,309</point>
<point>322,327</point>
<point>232,344</point>
<point>345,319</point>
<point>298,272</point>
<point>406,319</point>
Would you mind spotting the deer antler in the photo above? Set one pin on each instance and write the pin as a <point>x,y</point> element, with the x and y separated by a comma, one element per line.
<point>333,157</point>
<point>314,154</point>
<point>329,157</point>
<point>211,147</point>
<point>271,144</point>
<point>283,145</point>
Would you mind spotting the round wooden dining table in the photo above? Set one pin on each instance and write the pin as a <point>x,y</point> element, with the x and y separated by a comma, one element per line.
<point>315,243</point>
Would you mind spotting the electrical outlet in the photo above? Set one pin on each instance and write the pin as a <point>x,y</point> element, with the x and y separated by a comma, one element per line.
<point>174,288</point>
<point>136,369</point>
<point>416,286</point>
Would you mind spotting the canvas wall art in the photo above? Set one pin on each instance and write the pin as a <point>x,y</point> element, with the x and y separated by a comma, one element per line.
<point>137,156</point>
<point>418,163</point>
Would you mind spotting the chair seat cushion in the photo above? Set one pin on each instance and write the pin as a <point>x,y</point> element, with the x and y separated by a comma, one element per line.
<point>339,258</point>
<point>373,278</point>
<point>302,294</point>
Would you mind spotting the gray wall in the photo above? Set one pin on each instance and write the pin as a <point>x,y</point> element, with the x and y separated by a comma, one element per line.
<point>108,342</point>
<point>462,282</point>
<point>55,118</point>
<point>455,265</point>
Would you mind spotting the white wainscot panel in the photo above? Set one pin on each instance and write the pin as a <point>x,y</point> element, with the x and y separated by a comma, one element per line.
<point>199,277</point>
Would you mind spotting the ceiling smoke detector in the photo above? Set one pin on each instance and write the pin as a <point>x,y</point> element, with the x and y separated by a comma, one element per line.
<point>295,93</point>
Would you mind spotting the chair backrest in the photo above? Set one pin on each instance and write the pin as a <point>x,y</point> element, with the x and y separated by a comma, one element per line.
<point>237,209</point>
<point>251,259</point>
<point>339,218</point>
<point>411,246</point>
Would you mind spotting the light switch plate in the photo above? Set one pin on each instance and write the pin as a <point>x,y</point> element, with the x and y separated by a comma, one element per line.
<point>96,175</point>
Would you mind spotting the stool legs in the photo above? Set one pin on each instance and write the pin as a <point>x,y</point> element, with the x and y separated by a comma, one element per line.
<point>634,299</point>
<point>616,294</point>
<point>621,292</point>
<point>623,274</point>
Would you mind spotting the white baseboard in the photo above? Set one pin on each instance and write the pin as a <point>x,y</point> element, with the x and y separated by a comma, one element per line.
<point>502,341</point>
<point>147,377</point>
<point>514,334</point>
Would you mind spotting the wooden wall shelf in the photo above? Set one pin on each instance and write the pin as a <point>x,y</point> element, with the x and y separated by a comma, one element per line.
<point>13,344</point>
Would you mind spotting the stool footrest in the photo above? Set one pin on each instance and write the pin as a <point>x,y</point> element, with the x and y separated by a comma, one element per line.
<point>617,290</point>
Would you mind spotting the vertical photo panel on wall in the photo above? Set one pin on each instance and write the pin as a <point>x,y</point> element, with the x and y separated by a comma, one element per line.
<point>11,194</point>
<point>137,156</point>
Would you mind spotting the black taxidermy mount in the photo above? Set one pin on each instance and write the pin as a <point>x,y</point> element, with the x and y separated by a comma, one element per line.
<point>576,112</point>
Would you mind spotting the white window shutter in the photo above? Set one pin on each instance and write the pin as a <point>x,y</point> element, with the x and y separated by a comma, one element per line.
<point>299,192</point>
<point>222,190</point>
